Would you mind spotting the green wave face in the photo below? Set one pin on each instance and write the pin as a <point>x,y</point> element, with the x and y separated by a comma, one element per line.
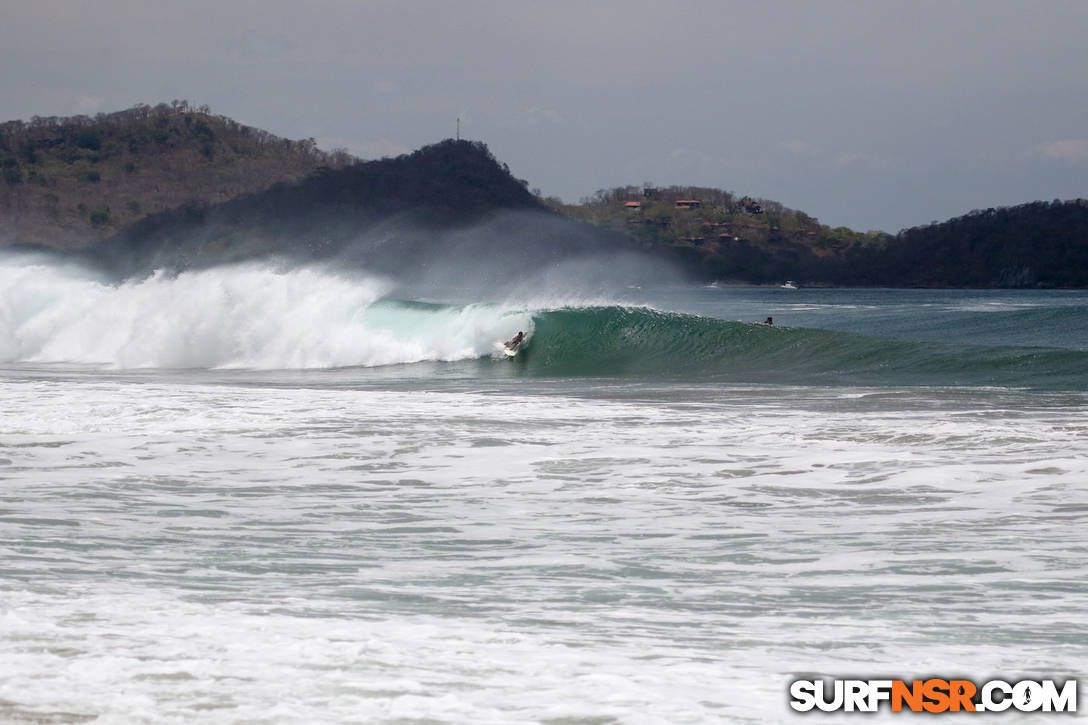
<point>621,341</point>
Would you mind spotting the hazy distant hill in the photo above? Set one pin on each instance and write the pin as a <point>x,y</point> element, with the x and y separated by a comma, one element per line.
<point>175,187</point>
<point>447,206</point>
<point>66,182</point>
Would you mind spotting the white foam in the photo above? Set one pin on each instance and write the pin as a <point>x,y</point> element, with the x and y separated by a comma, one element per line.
<point>180,552</point>
<point>251,316</point>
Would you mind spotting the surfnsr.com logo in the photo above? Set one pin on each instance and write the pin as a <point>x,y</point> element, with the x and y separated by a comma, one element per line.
<point>933,695</point>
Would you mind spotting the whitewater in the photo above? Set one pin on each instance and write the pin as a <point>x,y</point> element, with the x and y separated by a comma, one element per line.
<point>251,316</point>
<point>274,494</point>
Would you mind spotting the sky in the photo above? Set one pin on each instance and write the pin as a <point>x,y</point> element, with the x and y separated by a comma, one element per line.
<point>872,114</point>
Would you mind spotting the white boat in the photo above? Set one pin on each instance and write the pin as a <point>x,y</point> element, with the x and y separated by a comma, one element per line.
<point>790,284</point>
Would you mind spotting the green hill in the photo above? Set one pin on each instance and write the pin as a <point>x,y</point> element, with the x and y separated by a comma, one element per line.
<point>1041,244</point>
<point>67,182</point>
<point>448,206</point>
<point>716,235</point>
<point>175,186</point>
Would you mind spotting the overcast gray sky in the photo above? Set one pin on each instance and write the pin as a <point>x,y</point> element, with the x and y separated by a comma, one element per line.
<point>870,114</point>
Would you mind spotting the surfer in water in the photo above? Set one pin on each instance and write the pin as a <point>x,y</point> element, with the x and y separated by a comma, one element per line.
<point>515,341</point>
<point>769,321</point>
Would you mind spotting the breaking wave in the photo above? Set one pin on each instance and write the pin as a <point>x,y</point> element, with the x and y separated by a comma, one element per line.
<point>261,317</point>
<point>240,316</point>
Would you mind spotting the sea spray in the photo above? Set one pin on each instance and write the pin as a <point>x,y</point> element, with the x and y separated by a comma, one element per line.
<point>253,316</point>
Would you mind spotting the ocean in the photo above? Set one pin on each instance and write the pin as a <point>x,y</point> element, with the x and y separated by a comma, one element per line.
<point>261,494</point>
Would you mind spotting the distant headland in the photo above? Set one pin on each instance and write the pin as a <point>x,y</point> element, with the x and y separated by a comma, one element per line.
<point>174,185</point>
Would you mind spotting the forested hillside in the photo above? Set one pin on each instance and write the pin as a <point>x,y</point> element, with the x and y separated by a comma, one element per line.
<point>719,236</point>
<point>175,185</point>
<point>67,182</point>
<point>1042,244</point>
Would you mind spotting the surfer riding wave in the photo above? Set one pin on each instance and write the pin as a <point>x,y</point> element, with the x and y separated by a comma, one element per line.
<point>514,343</point>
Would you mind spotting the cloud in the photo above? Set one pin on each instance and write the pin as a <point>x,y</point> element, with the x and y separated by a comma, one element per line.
<point>775,100</point>
<point>1070,150</point>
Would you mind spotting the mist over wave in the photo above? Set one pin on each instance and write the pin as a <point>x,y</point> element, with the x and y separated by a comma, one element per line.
<point>249,315</point>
